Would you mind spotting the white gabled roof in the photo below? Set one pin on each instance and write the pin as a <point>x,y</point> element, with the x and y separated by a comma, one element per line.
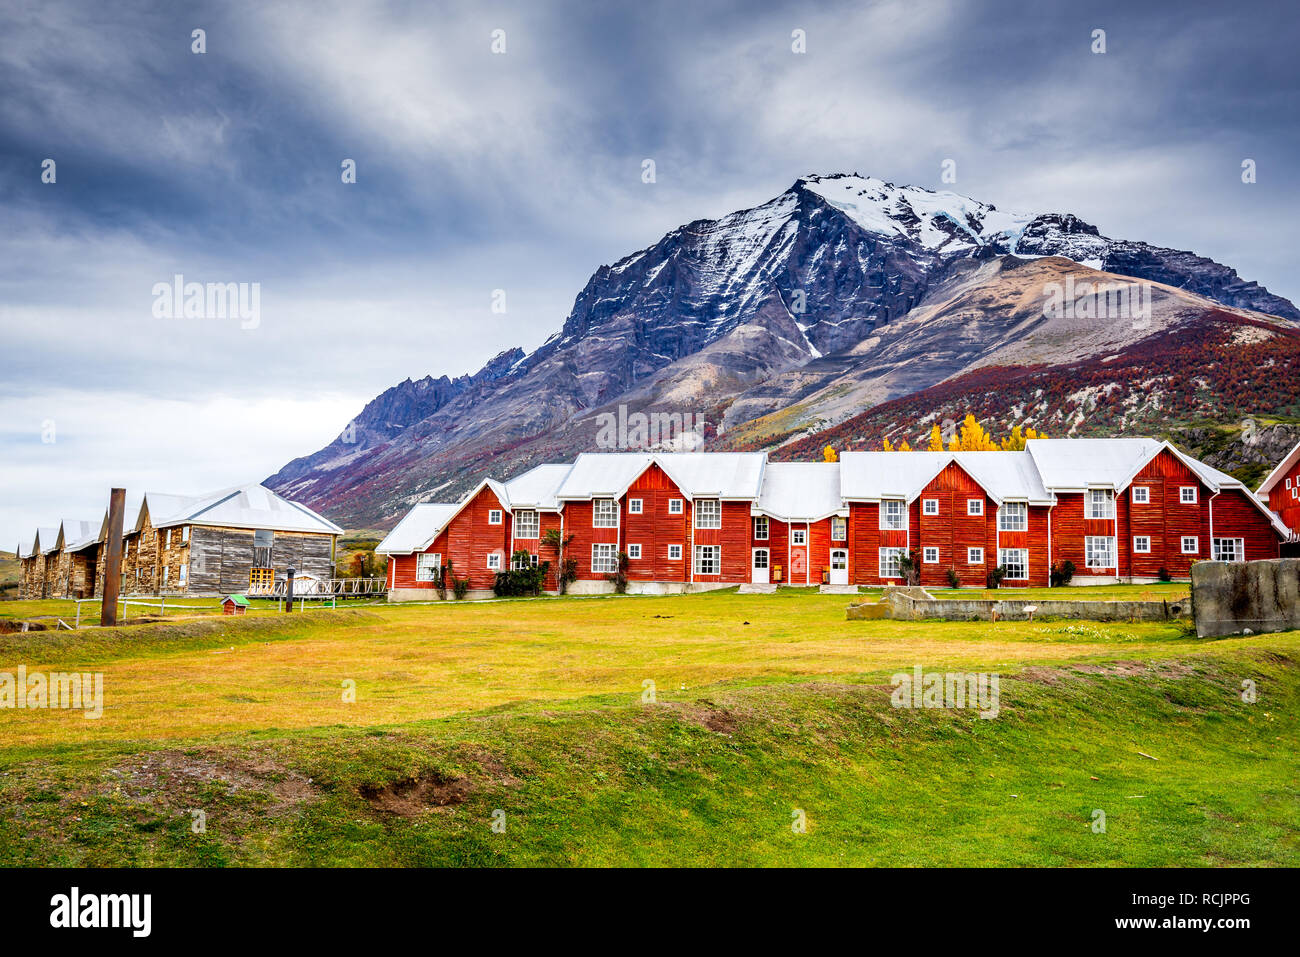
<point>1074,465</point>
<point>1006,476</point>
<point>736,475</point>
<point>76,534</point>
<point>536,488</point>
<point>1278,473</point>
<point>800,491</point>
<point>47,540</point>
<point>715,474</point>
<point>603,474</point>
<point>875,475</point>
<point>243,506</point>
<point>417,529</point>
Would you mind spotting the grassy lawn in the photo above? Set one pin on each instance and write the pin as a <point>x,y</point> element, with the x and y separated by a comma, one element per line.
<point>764,704</point>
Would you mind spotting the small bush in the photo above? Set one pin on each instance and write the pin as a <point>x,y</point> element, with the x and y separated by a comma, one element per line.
<point>460,587</point>
<point>954,580</point>
<point>523,578</point>
<point>995,576</point>
<point>1164,575</point>
<point>1062,575</point>
<point>619,578</point>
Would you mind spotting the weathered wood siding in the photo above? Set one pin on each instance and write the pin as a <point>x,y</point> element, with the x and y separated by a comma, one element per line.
<point>220,559</point>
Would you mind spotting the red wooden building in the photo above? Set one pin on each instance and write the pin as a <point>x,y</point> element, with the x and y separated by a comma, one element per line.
<point>1281,492</point>
<point>1117,509</point>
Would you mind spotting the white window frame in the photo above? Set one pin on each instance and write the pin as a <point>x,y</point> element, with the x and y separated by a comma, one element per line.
<point>1141,495</point>
<point>799,537</point>
<point>929,506</point>
<point>887,561</point>
<point>1099,505</point>
<point>530,562</point>
<point>1196,545</point>
<point>1090,544</point>
<point>528,523</point>
<point>634,506</point>
<point>427,562</point>
<point>930,554</point>
<point>604,558</point>
<point>1238,549</point>
<point>706,555</point>
<point>767,558</point>
<point>1141,544</point>
<point>185,534</point>
<point>674,553</point>
<point>494,516</point>
<point>634,551</point>
<point>1013,559</point>
<point>974,556</point>
<point>674,506</point>
<point>891,510</point>
<point>706,511</point>
<point>974,506</point>
<point>494,562</point>
<point>1184,498</point>
<point>185,574</point>
<point>839,528</point>
<point>1013,510</point>
<point>167,574</point>
<point>604,513</point>
<point>761,528</point>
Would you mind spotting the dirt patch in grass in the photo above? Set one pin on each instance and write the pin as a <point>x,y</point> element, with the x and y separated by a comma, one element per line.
<point>9,626</point>
<point>414,796</point>
<point>179,779</point>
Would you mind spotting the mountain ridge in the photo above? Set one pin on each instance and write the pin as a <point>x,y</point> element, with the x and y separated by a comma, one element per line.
<point>731,316</point>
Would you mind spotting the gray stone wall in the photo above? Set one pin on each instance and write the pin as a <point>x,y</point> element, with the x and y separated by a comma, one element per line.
<point>1231,597</point>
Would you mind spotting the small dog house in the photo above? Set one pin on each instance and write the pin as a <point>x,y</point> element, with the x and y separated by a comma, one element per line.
<point>234,605</point>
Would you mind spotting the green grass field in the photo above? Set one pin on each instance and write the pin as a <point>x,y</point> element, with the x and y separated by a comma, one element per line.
<point>767,710</point>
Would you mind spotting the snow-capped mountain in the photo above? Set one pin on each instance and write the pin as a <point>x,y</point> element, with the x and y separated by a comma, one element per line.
<point>717,312</point>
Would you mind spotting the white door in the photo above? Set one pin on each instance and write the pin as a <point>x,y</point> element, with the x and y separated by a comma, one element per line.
<point>760,571</point>
<point>839,566</point>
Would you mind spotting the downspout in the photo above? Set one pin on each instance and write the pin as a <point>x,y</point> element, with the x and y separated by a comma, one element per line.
<point>1050,509</point>
<point>1212,498</point>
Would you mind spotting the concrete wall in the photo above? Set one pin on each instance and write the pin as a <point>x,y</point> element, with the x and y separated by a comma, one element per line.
<point>1231,597</point>
<point>907,605</point>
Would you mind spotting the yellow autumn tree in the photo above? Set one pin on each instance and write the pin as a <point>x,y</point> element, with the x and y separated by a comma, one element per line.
<point>905,446</point>
<point>829,454</point>
<point>936,439</point>
<point>885,445</point>
<point>972,437</point>
<point>1015,442</point>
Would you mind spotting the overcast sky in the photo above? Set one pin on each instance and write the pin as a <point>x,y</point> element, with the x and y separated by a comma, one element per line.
<point>521,171</point>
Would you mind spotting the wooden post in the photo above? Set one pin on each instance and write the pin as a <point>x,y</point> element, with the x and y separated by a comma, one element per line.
<point>288,590</point>
<point>113,559</point>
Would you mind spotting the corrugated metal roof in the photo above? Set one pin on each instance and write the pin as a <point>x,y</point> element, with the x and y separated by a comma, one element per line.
<point>47,540</point>
<point>1078,463</point>
<point>801,491</point>
<point>874,475</point>
<point>536,488</point>
<point>708,474</point>
<point>1005,475</point>
<point>715,474</point>
<point>243,506</point>
<point>603,474</point>
<point>79,533</point>
<point>417,528</point>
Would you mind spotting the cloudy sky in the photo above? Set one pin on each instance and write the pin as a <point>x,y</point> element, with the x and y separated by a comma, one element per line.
<point>521,171</point>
